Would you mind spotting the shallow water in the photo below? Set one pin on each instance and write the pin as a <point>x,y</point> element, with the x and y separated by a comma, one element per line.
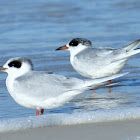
<point>34,29</point>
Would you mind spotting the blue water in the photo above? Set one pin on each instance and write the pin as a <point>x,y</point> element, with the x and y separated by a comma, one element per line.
<point>34,29</point>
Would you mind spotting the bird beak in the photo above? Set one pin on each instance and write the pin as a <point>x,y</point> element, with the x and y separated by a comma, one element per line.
<point>2,68</point>
<point>62,48</point>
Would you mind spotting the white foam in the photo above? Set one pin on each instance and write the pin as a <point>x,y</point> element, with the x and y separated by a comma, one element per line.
<point>68,119</point>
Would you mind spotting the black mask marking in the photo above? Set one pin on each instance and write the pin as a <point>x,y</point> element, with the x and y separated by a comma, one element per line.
<point>74,42</point>
<point>15,63</point>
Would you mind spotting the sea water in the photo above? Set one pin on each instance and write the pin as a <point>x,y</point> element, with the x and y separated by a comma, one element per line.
<point>34,29</point>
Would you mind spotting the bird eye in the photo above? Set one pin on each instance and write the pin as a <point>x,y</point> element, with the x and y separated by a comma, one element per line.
<point>73,43</point>
<point>15,63</point>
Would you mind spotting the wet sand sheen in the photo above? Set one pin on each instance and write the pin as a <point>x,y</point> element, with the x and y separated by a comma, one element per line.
<point>113,130</point>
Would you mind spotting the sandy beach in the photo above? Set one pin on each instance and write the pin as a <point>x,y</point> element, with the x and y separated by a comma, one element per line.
<point>114,130</point>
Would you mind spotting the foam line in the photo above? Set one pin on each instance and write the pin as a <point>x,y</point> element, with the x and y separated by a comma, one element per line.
<point>68,119</point>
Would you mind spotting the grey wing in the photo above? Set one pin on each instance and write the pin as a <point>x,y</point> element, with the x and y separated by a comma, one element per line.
<point>95,57</point>
<point>43,85</point>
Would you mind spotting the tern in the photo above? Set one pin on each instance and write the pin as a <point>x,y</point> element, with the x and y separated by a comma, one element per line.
<point>41,90</point>
<point>98,62</point>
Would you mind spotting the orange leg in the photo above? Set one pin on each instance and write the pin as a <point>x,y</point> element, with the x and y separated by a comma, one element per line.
<point>94,91</point>
<point>109,89</point>
<point>37,112</point>
<point>42,111</point>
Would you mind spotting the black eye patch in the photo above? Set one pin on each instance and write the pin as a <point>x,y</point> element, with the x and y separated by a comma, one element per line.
<point>73,43</point>
<point>15,63</point>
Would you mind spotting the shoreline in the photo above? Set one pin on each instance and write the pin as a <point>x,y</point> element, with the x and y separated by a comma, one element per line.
<point>110,130</point>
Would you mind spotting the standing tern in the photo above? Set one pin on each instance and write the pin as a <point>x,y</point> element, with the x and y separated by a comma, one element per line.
<point>97,62</point>
<point>40,90</point>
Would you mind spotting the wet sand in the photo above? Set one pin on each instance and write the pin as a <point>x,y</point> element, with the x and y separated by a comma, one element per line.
<point>114,130</point>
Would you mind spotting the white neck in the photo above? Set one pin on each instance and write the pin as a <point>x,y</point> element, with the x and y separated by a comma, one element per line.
<point>10,81</point>
<point>76,50</point>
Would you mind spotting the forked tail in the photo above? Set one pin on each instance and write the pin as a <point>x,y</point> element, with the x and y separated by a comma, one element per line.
<point>132,46</point>
<point>92,82</point>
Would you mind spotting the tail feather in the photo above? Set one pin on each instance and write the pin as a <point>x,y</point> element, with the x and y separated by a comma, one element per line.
<point>127,55</point>
<point>106,84</point>
<point>93,82</point>
<point>132,46</point>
